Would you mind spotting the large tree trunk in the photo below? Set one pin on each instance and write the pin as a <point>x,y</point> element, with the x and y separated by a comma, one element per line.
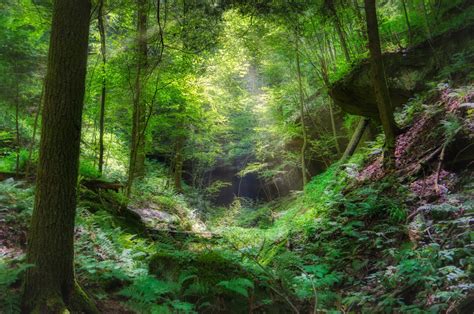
<point>50,285</point>
<point>380,83</point>
<point>137,151</point>
<point>100,22</point>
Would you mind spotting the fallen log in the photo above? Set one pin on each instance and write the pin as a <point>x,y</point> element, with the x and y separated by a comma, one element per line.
<point>97,185</point>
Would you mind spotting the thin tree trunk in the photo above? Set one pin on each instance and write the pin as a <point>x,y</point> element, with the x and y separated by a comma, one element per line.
<point>379,83</point>
<point>50,285</point>
<point>356,137</point>
<point>100,22</point>
<point>355,3</point>
<point>17,128</point>
<point>330,49</point>
<point>342,39</point>
<point>333,125</point>
<point>33,137</point>
<point>407,20</point>
<point>303,125</point>
<point>427,19</point>
<point>325,77</point>
<point>339,31</point>
<point>137,151</point>
<point>178,169</point>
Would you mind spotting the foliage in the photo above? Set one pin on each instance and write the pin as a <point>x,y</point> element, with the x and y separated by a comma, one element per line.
<point>220,91</point>
<point>9,275</point>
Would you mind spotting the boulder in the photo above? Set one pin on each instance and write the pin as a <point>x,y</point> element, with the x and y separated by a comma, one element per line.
<point>407,72</point>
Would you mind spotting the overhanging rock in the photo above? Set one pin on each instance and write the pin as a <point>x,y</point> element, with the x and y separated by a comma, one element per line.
<point>407,73</point>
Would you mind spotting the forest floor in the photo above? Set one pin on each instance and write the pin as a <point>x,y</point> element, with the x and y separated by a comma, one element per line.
<point>359,239</point>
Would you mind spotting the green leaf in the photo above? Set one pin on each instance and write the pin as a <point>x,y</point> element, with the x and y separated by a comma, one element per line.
<point>238,285</point>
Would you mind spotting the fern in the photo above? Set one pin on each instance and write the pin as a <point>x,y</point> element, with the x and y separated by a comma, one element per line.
<point>237,285</point>
<point>10,301</point>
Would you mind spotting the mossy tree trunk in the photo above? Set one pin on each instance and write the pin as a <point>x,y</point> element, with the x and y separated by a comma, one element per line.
<point>50,285</point>
<point>379,82</point>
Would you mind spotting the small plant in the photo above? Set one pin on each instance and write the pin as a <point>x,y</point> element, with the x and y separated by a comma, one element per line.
<point>10,300</point>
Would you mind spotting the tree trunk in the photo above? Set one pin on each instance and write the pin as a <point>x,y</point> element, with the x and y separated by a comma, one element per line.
<point>327,83</point>
<point>17,129</point>
<point>333,125</point>
<point>427,19</point>
<point>339,31</point>
<point>407,20</point>
<point>303,125</point>
<point>355,139</point>
<point>178,168</point>
<point>355,3</point>
<point>50,285</point>
<point>380,83</point>
<point>33,137</point>
<point>137,151</point>
<point>100,22</point>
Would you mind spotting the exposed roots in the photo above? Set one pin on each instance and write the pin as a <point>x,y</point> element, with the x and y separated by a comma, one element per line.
<point>53,303</point>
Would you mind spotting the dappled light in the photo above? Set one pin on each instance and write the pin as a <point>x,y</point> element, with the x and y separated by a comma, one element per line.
<point>217,156</point>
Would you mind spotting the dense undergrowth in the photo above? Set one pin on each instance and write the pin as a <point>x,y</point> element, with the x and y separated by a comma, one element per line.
<point>358,239</point>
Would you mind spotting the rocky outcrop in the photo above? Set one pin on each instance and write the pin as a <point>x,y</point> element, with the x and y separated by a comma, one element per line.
<point>407,72</point>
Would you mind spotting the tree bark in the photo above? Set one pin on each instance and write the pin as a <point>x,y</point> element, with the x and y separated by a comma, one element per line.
<point>50,285</point>
<point>100,22</point>
<point>379,83</point>
<point>137,151</point>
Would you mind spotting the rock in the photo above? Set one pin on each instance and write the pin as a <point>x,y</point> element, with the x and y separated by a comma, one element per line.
<point>407,73</point>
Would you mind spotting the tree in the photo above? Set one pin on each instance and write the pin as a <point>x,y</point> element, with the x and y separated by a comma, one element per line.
<point>379,82</point>
<point>50,285</point>
<point>301,101</point>
<point>339,30</point>
<point>407,20</point>
<point>137,151</point>
<point>101,25</point>
<point>356,137</point>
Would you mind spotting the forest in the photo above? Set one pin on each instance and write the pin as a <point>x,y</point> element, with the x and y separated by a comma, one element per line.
<point>236,156</point>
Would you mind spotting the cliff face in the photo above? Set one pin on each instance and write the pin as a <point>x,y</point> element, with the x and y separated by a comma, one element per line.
<point>407,72</point>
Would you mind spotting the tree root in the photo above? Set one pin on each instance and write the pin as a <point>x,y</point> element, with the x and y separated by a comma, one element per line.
<point>53,303</point>
<point>81,303</point>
